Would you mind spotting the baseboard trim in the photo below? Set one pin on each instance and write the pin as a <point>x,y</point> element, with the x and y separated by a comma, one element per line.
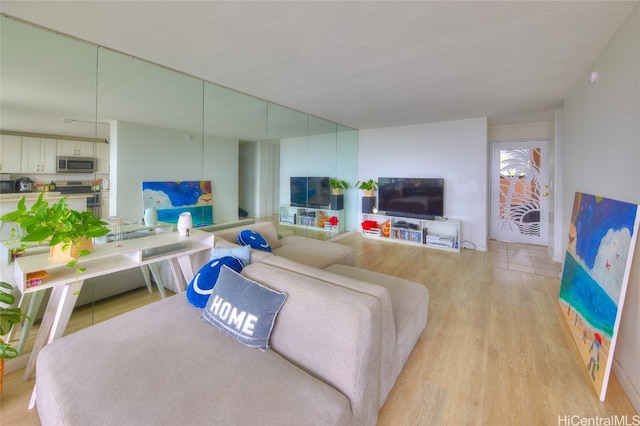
<point>632,393</point>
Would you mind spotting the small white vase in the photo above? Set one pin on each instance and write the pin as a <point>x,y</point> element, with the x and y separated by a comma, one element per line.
<point>185,223</point>
<point>151,216</point>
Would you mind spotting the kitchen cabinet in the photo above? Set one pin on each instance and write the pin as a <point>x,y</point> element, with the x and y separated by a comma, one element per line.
<point>38,155</point>
<point>103,156</point>
<point>76,148</point>
<point>105,204</point>
<point>10,154</point>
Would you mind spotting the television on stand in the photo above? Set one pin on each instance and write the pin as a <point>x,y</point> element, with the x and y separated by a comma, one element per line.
<point>310,191</point>
<point>421,198</point>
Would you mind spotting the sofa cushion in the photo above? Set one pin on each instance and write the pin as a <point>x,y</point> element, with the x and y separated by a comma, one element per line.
<point>243,309</point>
<point>316,253</point>
<point>240,252</point>
<point>388,336</point>
<point>201,286</point>
<point>329,331</point>
<point>410,303</point>
<point>253,239</point>
<point>175,369</point>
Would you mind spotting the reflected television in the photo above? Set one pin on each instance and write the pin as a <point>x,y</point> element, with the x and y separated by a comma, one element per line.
<point>310,191</point>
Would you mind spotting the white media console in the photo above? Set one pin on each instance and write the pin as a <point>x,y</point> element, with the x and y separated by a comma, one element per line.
<point>442,234</point>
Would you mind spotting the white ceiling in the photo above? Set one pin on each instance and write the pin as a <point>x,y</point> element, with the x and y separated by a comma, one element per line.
<point>363,64</point>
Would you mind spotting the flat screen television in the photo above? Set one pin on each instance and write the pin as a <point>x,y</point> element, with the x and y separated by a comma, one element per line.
<point>411,197</point>
<point>310,191</point>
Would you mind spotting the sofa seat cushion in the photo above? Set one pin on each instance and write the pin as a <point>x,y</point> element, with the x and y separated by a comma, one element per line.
<point>316,253</point>
<point>410,302</point>
<point>151,367</point>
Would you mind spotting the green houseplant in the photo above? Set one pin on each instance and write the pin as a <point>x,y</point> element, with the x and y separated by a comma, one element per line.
<point>337,185</point>
<point>368,186</point>
<point>8,318</point>
<point>60,226</point>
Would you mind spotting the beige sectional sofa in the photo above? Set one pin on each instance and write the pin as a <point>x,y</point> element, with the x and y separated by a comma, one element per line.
<point>338,345</point>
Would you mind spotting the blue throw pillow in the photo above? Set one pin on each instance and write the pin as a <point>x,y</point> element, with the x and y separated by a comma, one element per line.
<point>243,253</point>
<point>243,309</point>
<point>201,286</point>
<point>253,239</point>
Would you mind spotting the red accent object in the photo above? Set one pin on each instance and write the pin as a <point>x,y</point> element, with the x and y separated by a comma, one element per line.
<point>598,338</point>
<point>333,220</point>
<point>369,224</point>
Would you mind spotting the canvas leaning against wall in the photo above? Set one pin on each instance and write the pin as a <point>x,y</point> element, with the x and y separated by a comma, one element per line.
<point>602,238</point>
<point>171,198</point>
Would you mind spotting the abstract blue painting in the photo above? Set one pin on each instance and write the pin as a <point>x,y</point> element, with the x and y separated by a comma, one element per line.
<point>602,239</point>
<point>171,198</point>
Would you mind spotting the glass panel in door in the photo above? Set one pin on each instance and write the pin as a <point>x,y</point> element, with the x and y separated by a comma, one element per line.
<point>519,195</point>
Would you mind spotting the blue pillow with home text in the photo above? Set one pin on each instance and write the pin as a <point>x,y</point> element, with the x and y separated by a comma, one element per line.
<point>243,309</point>
<point>201,286</point>
<point>253,239</point>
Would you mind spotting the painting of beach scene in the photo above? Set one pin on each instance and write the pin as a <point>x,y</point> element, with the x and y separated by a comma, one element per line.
<point>602,238</point>
<point>174,197</point>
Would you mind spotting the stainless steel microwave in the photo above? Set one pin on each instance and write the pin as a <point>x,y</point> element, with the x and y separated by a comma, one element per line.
<point>77,164</point>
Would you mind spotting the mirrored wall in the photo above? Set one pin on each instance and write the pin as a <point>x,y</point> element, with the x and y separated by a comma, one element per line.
<point>145,122</point>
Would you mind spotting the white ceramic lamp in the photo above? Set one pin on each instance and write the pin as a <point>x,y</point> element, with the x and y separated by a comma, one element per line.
<point>185,223</point>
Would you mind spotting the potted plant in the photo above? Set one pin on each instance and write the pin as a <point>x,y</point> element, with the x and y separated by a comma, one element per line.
<point>369,187</point>
<point>67,231</point>
<point>337,185</point>
<point>8,318</point>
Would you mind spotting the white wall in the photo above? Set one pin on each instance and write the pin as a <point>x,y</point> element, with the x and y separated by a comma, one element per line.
<point>145,153</point>
<point>455,150</point>
<point>601,154</point>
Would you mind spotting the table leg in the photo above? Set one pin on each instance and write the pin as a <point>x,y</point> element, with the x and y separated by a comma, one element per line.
<point>23,304</point>
<point>186,267</point>
<point>147,278</point>
<point>34,307</point>
<point>176,277</point>
<point>55,319</point>
<point>157,277</point>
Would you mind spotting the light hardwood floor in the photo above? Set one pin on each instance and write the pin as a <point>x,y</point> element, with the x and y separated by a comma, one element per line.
<point>495,350</point>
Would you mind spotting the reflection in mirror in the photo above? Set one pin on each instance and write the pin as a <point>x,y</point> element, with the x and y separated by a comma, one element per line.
<point>156,127</point>
<point>164,125</point>
<point>46,78</point>
<point>289,127</point>
<point>235,125</point>
<point>321,160</point>
<point>48,98</point>
<point>347,170</point>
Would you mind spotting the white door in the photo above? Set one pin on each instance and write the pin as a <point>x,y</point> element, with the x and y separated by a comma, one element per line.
<point>519,192</point>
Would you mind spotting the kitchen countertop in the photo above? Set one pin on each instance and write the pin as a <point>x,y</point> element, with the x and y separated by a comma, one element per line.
<point>54,195</point>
